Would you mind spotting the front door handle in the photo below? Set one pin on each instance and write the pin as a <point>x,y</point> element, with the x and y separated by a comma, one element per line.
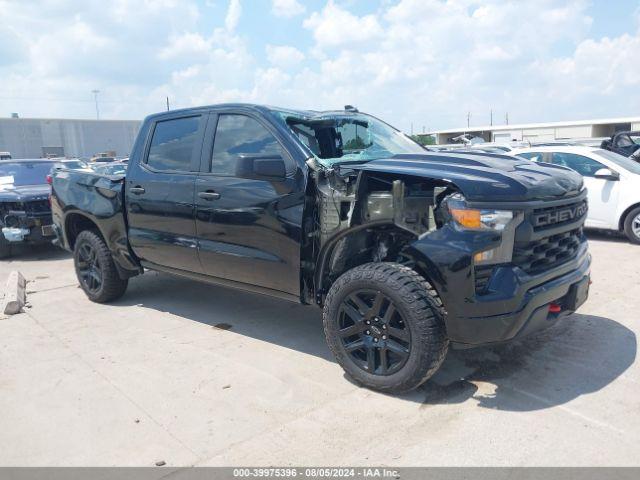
<point>209,195</point>
<point>137,190</point>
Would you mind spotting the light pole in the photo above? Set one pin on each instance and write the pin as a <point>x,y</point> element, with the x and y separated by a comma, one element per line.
<point>95,96</point>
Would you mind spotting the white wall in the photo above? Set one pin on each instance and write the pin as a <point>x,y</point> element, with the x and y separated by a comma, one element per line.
<point>579,131</point>
<point>507,135</point>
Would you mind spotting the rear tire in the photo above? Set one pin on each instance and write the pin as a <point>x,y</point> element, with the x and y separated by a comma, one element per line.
<point>96,270</point>
<point>632,225</point>
<point>384,324</point>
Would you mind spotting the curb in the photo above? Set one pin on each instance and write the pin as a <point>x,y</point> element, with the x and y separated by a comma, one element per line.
<point>15,294</point>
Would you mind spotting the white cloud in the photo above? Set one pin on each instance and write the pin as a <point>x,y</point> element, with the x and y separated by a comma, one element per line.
<point>184,44</point>
<point>284,56</point>
<point>233,15</point>
<point>287,8</point>
<point>334,26</point>
<point>423,61</point>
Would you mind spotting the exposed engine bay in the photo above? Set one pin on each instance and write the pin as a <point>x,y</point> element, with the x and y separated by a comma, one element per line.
<point>363,216</point>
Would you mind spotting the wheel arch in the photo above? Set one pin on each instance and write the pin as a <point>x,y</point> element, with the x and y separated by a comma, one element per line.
<point>626,212</point>
<point>76,222</point>
<point>413,258</point>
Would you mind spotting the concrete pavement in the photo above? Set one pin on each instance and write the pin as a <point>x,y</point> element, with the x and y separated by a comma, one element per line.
<point>192,374</point>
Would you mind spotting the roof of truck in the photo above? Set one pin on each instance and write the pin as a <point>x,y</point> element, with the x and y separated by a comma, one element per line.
<point>258,107</point>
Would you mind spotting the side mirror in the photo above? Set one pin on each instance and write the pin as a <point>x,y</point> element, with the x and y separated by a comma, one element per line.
<point>607,174</point>
<point>267,167</point>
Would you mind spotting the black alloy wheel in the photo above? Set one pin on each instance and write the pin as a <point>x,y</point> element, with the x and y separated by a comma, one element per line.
<point>373,332</point>
<point>96,269</point>
<point>385,325</point>
<point>89,269</point>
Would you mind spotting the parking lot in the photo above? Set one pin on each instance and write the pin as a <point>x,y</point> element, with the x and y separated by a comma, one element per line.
<point>191,374</point>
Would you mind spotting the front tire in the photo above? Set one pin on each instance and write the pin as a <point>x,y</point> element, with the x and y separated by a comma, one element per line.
<point>384,324</point>
<point>96,270</point>
<point>632,226</point>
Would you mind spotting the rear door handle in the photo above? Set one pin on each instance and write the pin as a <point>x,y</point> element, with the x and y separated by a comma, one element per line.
<point>137,190</point>
<point>209,195</point>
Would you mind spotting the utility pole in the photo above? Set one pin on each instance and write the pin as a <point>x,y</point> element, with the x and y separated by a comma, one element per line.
<point>506,118</point>
<point>167,104</point>
<point>95,96</point>
<point>468,119</point>
<point>412,129</point>
<point>491,117</point>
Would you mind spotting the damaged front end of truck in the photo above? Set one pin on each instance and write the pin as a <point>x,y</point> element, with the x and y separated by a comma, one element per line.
<point>464,222</point>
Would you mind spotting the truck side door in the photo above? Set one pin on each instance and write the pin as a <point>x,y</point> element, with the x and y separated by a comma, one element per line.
<point>248,226</point>
<point>160,194</point>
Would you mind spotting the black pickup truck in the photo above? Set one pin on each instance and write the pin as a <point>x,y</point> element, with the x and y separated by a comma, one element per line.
<point>408,251</point>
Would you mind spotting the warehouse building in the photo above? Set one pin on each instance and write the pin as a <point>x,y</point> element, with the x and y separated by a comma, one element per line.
<point>542,132</point>
<point>41,137</point>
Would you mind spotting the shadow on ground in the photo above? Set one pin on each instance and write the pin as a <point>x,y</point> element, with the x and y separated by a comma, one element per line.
<point>580,355</point>
<point>30,253</point>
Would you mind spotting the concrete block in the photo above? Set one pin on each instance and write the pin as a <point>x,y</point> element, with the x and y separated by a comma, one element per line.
<point>15,294</point>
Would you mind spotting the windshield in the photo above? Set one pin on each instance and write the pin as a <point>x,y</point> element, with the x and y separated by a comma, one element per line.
<point>24,173</point>
<point>624,162</point>
<point>348,137</point>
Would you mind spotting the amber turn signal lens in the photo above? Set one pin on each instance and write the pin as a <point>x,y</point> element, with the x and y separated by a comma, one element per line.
<point>466,217</point>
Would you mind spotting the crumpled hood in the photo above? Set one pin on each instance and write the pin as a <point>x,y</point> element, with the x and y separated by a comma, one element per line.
<point>24,193</point>
<point>485,177</point>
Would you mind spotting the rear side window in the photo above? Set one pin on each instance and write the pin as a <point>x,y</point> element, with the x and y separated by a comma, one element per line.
<point>173,144</point>
<point>585,166</point>
<point>240,135</point>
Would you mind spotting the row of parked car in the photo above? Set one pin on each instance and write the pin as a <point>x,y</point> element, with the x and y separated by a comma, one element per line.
<point>25,212</point>
<point>612,180</point>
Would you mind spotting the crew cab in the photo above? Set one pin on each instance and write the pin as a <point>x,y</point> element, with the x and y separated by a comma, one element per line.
<point>407,251</point>
<point>612,180</point>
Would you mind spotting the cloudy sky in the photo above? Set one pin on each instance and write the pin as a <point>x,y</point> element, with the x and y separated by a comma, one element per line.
<point>425,63</point>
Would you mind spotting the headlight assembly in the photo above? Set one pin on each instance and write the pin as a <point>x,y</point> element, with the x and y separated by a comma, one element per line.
<point>502,221</point>
<point>475,218</point>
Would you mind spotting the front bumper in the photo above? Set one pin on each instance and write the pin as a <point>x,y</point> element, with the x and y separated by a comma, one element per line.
<point>27,229</point>
<point>517,303</point>
<point>532,313</point>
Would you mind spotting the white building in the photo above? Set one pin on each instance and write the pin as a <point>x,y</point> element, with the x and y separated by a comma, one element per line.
<point>543,132</point>
<point>37,137</point>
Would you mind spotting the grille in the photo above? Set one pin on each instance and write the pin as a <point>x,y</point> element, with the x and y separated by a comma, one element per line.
<point>557,216</point>
<point>547,253</point>
<point>482,276</point>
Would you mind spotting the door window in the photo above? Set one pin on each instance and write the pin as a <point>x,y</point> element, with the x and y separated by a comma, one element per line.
<point>240,135</point>
<point>585,166</point>
<point>173,144</point>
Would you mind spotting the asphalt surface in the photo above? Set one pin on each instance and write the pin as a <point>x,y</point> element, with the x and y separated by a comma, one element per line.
<point>191,374</point>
